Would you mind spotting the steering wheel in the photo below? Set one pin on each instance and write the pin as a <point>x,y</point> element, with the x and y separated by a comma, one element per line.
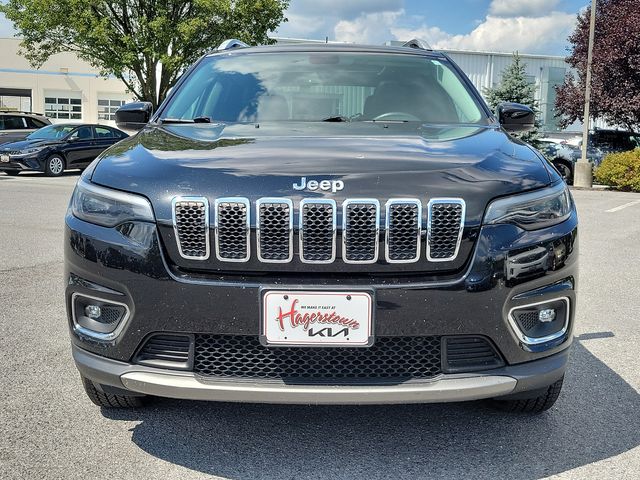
<point>398,116</point>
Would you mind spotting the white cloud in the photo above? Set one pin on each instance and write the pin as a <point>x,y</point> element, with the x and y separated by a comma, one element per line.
<point>346,20</point>
<point>432,35</point>
<point>503,34</point>
<point>343,9</point>
<point>519,8</point>
<point>367,28</point>
<point>530,26</point>
<point>526,34</point>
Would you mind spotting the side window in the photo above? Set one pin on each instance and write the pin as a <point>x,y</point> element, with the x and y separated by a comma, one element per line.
<point>35,123</point>
<point>82,133</point>
<point>12,122</point>
<point>102,132</point>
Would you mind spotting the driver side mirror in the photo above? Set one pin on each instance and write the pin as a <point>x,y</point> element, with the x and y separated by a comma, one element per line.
<point>515,117</point>
<point>134,116</point>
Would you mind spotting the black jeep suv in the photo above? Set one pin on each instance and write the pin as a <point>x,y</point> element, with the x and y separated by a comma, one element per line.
<point>322,224</point>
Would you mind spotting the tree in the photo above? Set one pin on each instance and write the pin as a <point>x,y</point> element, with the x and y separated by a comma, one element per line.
<point>515,87</point>
<point>145,43</point>
<point>615,81</point>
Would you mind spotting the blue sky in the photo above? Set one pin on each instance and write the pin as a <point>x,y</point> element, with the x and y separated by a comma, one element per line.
<point>531,26</point>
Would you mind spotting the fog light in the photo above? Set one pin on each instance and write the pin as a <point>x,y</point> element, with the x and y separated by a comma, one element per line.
<point>547,315</point>
<point>98,318</point>
<point>93,311</point>
<point>541,325</point>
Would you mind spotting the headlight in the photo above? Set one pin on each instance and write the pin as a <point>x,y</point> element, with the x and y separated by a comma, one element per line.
<point>29,151</point>
<point>531,211</point>
<point>107,207</point>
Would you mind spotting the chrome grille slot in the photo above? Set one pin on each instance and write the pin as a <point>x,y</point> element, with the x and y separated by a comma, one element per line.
<point>274,230</point>
<point>232,229</point>
<point>317,231</point>
<point>403,230</point>
<point>191,227</point>
<point>360,231</point>
<point>445,224</point>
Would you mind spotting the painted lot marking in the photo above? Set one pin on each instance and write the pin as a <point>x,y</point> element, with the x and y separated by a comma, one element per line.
<point>621,207</point>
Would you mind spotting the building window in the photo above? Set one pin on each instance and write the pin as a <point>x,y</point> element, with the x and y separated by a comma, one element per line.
<point>17,99</point>
<point>107,108</point>
<point>63,108</point>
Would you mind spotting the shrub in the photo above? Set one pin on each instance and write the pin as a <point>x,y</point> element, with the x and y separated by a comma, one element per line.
<point>620,170</point>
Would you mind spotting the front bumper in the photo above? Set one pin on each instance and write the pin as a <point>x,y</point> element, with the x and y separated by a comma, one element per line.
<point>503,382</point>
<point>26,163</point>
<point>509,268</point>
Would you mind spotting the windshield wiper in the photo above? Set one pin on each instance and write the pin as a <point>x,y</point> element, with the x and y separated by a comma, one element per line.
<point>186,120</point>
<point>336,118</point>
<point>175,120</point>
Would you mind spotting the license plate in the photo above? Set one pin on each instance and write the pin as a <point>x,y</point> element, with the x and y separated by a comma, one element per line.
<point>298,318</point>
<point>4,158</point>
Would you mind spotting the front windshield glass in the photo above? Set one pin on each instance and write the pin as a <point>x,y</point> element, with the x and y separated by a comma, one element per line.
<point>325,86</point>
<point>52,132</point>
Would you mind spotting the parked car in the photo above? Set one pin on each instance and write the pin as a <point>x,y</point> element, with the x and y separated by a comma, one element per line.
<point>16,126</point>
<point>604,141</point>
<point>322,224</point>
<point>561,154</point>
<point>55,148</point>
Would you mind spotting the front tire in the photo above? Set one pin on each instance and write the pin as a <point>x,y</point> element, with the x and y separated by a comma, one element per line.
<point>565,171</point>
<point>108,400</point>
<point>54,166</point>
<point>537,404</point>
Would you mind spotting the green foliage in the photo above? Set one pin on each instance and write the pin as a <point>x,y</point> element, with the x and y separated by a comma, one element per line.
<point>129,39</point>
<point>620,170</point>
<point>514,87</point>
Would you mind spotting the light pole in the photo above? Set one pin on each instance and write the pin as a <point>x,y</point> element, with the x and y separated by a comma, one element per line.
<point>583,170</point>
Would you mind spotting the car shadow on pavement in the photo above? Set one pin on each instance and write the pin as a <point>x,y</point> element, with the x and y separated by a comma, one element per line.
<point>596,417</point>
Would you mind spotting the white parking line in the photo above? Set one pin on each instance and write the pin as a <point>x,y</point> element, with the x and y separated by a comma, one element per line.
<point>620,207</point>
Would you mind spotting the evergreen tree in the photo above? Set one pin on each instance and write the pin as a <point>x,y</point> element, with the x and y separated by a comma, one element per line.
<point>515,88</point>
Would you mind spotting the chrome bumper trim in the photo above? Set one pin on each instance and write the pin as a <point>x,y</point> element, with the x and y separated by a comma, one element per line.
<point>447,388</point>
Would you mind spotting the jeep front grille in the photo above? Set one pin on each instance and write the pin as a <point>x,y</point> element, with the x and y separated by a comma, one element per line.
<point>317,232</point>
<point>232,229</point>
<point>274,230</point>
<point>191,226</point>
<point>444,227</point>
<point>403,230</point>
<point>360,231</point>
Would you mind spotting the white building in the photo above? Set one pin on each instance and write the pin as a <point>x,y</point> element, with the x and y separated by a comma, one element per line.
<point>65,88</point>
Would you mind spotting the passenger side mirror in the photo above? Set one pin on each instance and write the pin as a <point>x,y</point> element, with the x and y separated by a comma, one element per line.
<point>134,116</point>
<point>515,117</point>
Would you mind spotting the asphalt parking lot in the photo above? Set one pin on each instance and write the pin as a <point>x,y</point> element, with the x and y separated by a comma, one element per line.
<point>49,429</point>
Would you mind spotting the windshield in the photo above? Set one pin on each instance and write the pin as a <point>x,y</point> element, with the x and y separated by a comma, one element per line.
<point>324,86</point>
<point>52,132</point>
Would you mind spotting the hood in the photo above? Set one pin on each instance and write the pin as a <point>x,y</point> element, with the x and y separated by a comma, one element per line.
<point>25,144</point>
<point>372,161</point>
